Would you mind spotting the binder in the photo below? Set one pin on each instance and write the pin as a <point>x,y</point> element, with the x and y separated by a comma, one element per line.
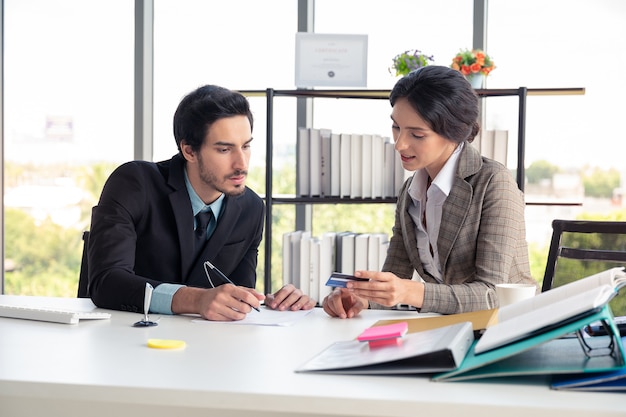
<point>613,381</point>
<point>424,352</point>
<point>559,349</point>
<point>544,334</point>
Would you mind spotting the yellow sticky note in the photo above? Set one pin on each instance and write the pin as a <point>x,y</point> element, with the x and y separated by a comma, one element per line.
<point>166,344</point>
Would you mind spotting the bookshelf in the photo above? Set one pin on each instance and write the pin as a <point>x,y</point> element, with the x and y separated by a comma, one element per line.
<point>270,94</point>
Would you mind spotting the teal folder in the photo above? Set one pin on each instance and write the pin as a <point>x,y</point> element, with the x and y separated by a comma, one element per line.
<point>551,351</point>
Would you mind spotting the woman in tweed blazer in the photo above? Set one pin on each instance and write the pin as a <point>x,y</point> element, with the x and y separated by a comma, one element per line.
<point>459,227</point>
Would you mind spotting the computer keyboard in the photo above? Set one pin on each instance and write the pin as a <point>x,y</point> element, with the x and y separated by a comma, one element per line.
<point>50,314</point>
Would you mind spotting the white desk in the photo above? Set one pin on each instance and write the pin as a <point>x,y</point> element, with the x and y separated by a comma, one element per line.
<point>104,368</point>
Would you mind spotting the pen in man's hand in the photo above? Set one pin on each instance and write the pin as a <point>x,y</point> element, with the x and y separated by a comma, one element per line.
<point>225,278</point>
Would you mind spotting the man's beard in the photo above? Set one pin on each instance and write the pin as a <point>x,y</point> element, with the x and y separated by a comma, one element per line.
<point>208,178</point>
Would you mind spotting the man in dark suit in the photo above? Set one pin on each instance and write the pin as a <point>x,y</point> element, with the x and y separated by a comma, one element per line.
<point>148,226</point>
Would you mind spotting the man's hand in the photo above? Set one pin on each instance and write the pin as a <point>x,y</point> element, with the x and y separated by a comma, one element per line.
<point>224,303</point>
<point>289,298</point>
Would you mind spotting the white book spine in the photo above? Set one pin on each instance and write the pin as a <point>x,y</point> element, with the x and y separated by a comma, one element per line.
<point>356,170</point>
<point>501,146</point>
<point>347,254</point>
<point>376,240</point>
<point>378,156</point>
<point>361,250</point>
<point>314,269</point>
<point>315,155</point>
<point>294,253</point>
<point>303,162</point>
<point>325,164</point>
<point>389,167</point>
<point>366,167</point>
<point>327,262</point>
<point>372,252</point>
<point>486,143</point>
<point>305,256</point>
<point>345,170</point>
<point>335,164</point>
<point>382,255</point>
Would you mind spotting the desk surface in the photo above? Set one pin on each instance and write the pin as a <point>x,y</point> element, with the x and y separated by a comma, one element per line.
<point>104,368</point>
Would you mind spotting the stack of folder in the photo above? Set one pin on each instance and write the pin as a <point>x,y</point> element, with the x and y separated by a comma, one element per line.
<point>543,335</point>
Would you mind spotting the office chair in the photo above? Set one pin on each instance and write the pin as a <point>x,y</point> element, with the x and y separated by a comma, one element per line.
<point>83,290</point>
<point>601,241</point>
<point>576,243</point>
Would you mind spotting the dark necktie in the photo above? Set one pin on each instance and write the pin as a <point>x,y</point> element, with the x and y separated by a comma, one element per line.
<point>203,219</point>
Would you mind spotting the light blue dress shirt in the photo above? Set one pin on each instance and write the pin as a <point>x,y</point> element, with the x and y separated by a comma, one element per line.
<point>163,294</point>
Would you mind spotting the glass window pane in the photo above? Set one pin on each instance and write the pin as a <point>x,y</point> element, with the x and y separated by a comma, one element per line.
<point>398,26</point>
<point>68,121</point>
<point>239,44</point>
<point>574,152</point>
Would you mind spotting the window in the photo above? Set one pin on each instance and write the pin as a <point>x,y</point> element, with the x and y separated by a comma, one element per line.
<point>69,101</point>
<point>68,121</point>
<point>573,145</point>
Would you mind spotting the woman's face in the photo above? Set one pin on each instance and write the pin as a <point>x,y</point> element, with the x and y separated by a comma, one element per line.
<point>418,146</point>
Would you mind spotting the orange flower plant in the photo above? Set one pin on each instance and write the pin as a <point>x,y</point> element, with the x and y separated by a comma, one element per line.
<point>472,62</point>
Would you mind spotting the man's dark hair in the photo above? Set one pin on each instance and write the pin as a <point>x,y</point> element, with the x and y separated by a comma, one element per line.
<point>203,107</point>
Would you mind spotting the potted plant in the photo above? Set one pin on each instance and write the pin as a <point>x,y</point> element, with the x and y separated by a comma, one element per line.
<point>408,61</point>
<point>474,64</point>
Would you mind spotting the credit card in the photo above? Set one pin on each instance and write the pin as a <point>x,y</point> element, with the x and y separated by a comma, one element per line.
<point>339,280</point>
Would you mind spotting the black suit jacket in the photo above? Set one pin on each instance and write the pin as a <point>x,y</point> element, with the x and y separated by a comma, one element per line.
<point>142,231</point>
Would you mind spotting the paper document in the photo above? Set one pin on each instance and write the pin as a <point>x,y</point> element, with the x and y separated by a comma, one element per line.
<point>267,317</point>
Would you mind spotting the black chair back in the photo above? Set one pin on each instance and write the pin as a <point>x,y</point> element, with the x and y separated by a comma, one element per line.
<point>83,280</point>
<point>613,248</point>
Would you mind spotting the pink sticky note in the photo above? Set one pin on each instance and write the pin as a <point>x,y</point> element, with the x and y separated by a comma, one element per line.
<point>378,333</point>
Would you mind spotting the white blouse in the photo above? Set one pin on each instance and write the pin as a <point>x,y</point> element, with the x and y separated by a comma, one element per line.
<point>427,204</point>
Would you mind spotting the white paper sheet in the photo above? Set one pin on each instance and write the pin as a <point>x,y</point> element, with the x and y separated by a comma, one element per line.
<point>266,317</point>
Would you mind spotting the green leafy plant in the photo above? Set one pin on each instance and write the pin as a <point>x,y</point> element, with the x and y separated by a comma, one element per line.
<point>408,61</point>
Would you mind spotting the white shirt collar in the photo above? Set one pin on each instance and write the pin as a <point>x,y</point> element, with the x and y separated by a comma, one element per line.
<point>443,180</point>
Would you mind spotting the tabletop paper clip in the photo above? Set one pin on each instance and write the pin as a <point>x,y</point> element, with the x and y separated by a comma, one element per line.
<point>388,335</point>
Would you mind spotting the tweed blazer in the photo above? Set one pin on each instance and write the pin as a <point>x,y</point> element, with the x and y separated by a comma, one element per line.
<point>482,238</point>
<point>142,231</point>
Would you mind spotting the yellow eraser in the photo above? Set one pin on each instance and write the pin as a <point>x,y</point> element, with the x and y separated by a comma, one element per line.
<point>166,344</point>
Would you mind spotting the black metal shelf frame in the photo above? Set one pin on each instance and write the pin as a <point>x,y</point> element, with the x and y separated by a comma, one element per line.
<point>270,94</point>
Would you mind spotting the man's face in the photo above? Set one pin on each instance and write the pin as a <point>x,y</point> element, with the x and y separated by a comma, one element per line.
<point>221,164</point>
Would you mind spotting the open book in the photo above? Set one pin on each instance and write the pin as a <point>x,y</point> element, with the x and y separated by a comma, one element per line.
<point>542,335</point>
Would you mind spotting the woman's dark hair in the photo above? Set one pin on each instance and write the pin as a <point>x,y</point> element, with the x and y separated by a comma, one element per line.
<point>203,107</point>
<point>443,98</point>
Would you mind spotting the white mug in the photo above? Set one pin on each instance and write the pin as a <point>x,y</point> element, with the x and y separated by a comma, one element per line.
<point>513,293</point>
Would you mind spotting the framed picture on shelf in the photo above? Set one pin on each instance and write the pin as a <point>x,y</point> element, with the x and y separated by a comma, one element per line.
<point>326,60</point>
